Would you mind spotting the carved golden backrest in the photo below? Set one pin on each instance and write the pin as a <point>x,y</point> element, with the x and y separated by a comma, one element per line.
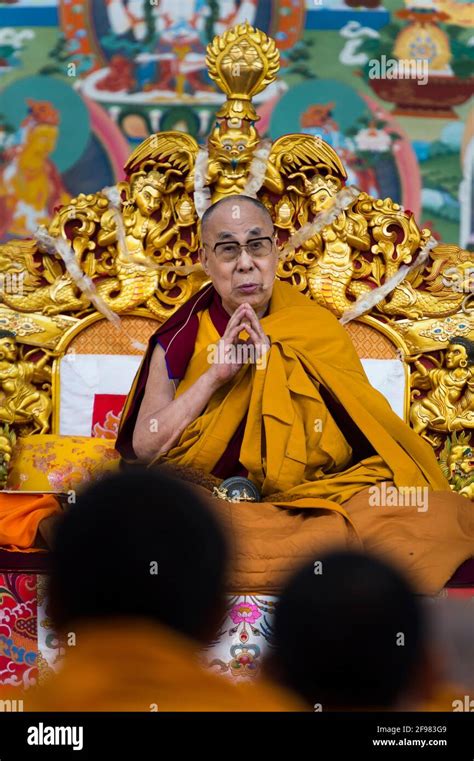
<point>94,335</point>
<point>134,247</point>
<point>370,341</point>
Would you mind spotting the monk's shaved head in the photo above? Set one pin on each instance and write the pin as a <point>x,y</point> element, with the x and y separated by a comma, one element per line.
<point>235,202</point>
<point>231,224</point>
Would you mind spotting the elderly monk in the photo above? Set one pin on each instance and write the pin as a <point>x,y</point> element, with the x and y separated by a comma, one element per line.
<point>301,422</point>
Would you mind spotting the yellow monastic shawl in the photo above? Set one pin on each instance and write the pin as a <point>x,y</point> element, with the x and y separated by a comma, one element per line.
<point>316,477</point>
<point>291,442</point>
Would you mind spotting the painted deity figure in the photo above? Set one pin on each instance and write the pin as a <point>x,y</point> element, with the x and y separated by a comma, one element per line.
<point>30,184</point>
<point>180,29</point>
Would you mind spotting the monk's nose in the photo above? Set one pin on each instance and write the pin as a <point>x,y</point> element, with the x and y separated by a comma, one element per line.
<point>245,262</point>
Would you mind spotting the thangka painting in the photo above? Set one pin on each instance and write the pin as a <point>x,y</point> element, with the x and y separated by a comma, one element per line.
<point>387,83</point>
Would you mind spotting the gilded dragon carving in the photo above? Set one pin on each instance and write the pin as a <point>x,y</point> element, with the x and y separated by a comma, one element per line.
<point>135,246</point>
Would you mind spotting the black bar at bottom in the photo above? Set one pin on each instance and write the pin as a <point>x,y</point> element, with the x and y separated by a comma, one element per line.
<point>159,735</point>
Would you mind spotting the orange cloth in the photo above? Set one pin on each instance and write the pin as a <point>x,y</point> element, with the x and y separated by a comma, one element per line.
<point>291,441</point>
<point>44,462</point>
<point>138,665</point>
<point>314,496</point>
<point>20,516</point>
<point>271,541</point>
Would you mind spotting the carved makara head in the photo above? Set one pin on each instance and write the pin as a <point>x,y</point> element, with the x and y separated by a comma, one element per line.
<point>457,457</point>
<point>233,142</point>
<point>461,460</point>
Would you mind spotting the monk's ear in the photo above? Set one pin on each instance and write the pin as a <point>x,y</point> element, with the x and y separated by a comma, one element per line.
<point>203,259</point>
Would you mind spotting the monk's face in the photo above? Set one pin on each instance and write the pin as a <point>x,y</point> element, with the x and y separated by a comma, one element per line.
<point>249,276</point>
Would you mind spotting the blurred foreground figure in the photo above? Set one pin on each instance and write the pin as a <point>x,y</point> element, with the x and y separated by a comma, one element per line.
<point>137,590</point>
<point>361,639</point>
<point>452,632</point>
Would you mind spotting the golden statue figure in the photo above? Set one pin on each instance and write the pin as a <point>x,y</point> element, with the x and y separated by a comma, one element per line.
<point>449,404</point>
<point>7,444</point>
<point>22,402</point>
<point>144,196</point>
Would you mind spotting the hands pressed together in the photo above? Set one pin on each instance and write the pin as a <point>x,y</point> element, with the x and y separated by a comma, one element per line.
<point>229,360</point>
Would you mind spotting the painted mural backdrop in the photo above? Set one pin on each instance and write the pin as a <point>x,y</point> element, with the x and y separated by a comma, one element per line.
<point>387,83</point>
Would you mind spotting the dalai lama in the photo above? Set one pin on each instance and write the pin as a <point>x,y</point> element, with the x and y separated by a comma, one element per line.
<point>249,378</point>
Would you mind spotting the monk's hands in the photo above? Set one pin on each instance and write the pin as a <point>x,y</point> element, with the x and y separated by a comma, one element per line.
<point>231,353</point>
<point>257,337</point>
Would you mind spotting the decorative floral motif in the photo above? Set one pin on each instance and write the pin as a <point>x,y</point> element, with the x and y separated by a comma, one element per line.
<point>51,648</point>
<point>18,630</point>
<point>244,663</point>
<point>245,635</point>
<point>110,428</point>
<point>20,325</point>
<point>244,611</point>
<point>443,330</point>
<point>50,461</point>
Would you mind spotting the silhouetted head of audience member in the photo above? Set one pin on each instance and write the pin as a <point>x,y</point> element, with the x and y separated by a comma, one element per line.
<point>140,544</point>
<point>350,635</point>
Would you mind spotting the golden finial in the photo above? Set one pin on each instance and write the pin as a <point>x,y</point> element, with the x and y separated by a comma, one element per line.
<point>242,62</point>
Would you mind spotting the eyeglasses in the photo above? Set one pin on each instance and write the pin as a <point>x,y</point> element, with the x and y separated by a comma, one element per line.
<point>257,248</point>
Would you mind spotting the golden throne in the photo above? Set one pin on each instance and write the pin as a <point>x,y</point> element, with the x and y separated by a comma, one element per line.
<point>83,298</point>
<point>112,264</point>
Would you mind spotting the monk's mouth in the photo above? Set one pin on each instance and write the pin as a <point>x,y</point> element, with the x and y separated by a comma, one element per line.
<point>248,288</point>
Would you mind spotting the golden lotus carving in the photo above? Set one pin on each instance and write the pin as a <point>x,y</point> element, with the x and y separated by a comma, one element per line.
<point>138,250</point>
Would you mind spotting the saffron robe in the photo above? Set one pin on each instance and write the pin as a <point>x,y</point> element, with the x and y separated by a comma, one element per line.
<point>20,516</point>
<point>140,665</point>
<point>312,433</point>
